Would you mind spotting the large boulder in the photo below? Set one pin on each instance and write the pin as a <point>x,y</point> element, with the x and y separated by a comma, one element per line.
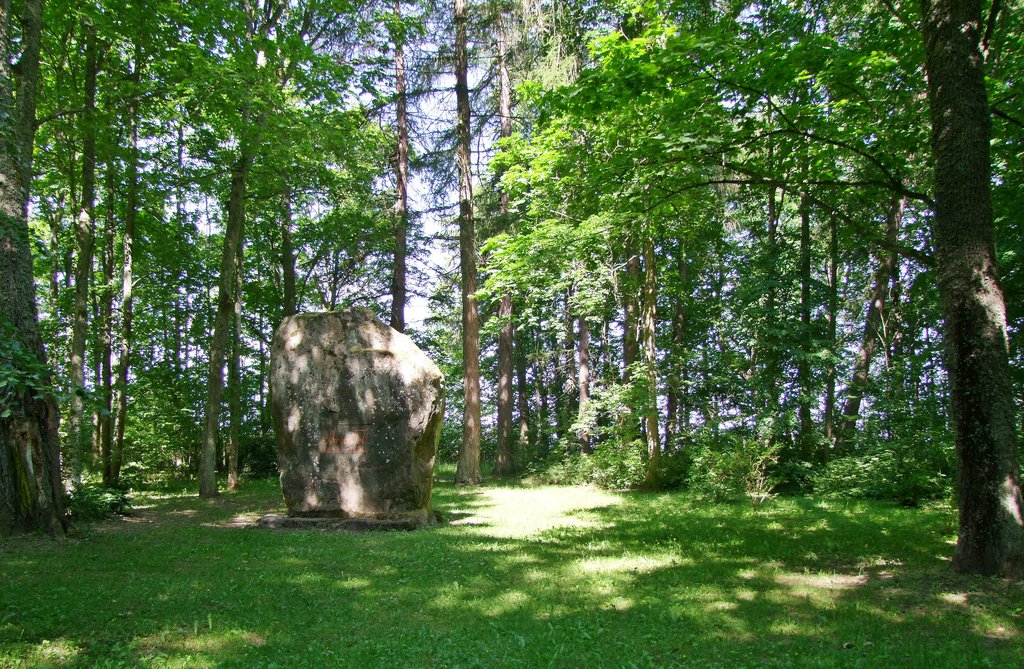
<point>358,410</point>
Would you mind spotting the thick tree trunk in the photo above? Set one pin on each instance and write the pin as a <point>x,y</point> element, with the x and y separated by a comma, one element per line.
<point>31,494</point>
<point>84,230</point>
<point>887,265</point>
<point>398,288</point>
<point>233,236</point>
<point>467,471</point>
<point>991,536</point>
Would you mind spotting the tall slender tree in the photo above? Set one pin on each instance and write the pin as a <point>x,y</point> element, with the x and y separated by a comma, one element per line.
<point>398,275</point>
<point>84,233</point>
<point>505,462</point>
<point>468,469</point>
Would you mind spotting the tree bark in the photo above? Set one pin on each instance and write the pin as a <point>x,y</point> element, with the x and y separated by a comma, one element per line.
<point>127,293</point>
<point>233,236</point>
<point>105,415</point>
<point>289,306</point>
<point>991,533</point>
<point>235,377</point>
<point>631,319</point>
<point>467,471</point>
<point>674,409</point>
<point>887,265</point>
<point>505,463</point>
<point>84,226</point>
<point>805,439</point>
<point>398,279</point>
<point>526,442</point>
<point>648,324</point>
<point>833,315</point>
<point>31,494</point>
<point>583,351</point>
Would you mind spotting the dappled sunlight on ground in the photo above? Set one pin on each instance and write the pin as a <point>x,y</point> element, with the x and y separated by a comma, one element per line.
<point>522,512</point>
<point>519,577</point>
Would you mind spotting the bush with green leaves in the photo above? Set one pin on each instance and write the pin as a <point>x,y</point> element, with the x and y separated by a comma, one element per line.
<point>733,466</point>
<point>561,468</point>
<point>20,371</point>
<point>883,474</point>
<point>92,501</point>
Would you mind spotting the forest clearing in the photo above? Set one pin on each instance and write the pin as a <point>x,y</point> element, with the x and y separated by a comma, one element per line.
<point>520,576</point>
<point>699,322</point>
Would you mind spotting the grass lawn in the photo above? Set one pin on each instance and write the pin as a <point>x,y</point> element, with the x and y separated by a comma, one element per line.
<point>520,577</point>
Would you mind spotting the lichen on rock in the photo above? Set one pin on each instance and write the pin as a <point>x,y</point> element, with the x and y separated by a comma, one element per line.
<point>358,408</point>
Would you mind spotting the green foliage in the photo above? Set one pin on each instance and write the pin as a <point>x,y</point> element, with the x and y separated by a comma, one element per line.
<point>733,466</point>
<point>560,468</point>
<point>20,372</point>
<point>882,474</point>
<point>257,456</point>
<point>92,501</point>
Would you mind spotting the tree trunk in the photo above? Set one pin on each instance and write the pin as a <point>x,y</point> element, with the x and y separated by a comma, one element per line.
<point>105,420</point>
<point>887,265</point>
<point>505,463</point>
<point>540,398</point>
<point>631,319</point>
<point>567,390</point>
<point>31,494</point>
<point>805,439</point>
<point>398,289</point>
<point>83,262</point>
<point>467,471</point>
<point>674,408</point>
<point>233,236</point>
<point>235,378</point>
<point>991,536</point>
<point>583,351</point>
<point>526,442</point>
<point>769,343</point>
<point>287,253</point>
<point>833,315</point>
<point>127,295</point>
<point>648,319</point>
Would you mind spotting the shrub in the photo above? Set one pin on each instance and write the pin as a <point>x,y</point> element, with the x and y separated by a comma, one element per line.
<point>561,468</point>
<point>91,501</point>
<point>733,467</point>
<point>619,466</point>
<point>883,474</point>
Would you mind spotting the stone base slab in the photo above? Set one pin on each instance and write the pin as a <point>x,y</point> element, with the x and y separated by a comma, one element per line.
<point>278,521</point>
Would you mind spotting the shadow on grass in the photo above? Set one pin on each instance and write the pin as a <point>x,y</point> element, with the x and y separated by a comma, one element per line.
<point>537,577</point>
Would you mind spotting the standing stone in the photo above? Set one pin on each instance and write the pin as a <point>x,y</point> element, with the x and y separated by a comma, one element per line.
<point>358,408</point>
